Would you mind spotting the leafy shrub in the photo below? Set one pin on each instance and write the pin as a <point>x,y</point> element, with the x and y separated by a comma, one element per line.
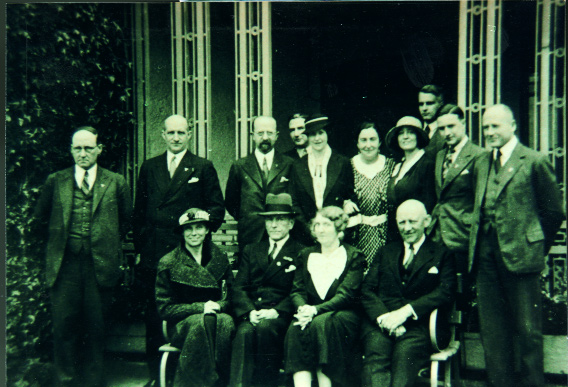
<point>67,66</point>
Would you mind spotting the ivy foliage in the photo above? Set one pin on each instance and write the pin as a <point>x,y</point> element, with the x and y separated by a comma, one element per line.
<point>67,65</point>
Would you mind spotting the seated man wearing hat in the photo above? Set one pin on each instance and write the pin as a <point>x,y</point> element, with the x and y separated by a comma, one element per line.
<point>191,297</point>
<point>260,297</point>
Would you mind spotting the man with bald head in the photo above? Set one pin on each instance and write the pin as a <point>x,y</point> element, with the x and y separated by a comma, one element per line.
<point>252,178</point>
<point>407,280</point>
<point>167,185</point>
<point>85,211</point>
<point>518,210</point>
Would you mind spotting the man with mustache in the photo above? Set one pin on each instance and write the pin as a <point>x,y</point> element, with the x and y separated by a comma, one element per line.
<point>252,178</point>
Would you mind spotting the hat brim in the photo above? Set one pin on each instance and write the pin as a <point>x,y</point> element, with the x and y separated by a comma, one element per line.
<point>180,228</point>
<point>271,213</point>
<point>422,139</point>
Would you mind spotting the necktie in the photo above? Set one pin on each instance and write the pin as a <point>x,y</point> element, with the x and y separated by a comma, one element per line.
<point>271,253</point>
<point>85,183</point>
<point>497,161</point>
<point>172,167</point>
<point>410,257</point>
<point>448,161</point>
<point>264,170</point>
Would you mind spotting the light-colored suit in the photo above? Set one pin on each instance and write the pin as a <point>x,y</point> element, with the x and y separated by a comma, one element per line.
<point>454,210</point>
<point>528,211</point>
<point>509,239</point>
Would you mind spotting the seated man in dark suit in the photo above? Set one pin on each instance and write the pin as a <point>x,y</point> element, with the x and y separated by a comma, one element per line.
<point>406,282</point>
<point>261,299</point>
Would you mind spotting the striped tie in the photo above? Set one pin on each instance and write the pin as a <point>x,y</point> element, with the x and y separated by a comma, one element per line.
<point>85,184</point>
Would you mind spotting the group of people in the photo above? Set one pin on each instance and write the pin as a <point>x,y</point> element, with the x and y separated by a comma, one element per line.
<point>338,257</point>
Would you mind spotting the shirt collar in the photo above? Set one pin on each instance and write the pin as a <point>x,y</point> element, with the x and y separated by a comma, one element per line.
<point>416,245</point>
<point>260,156</point>
<point>507,149</point>
<point>279,244</point>
<point>80,174</point>
<point>178,156</point>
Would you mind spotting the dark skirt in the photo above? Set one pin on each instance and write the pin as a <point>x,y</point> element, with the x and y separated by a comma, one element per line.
<point>205,342</point>
<point>327,342</point>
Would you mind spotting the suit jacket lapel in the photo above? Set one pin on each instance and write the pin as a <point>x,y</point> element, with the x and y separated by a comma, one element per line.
<point>278,263</point>
<point>461,162</point>
<point>251,168</point>
<point>511,167</point>
<point>66,195</point>
<point>181,176</point>
<point>100,187</point>
<point>424,255</point>
<point>481,181</point>
<point>440,156</point>
<point>277,164</point>
<point>306,178</point>
<point>333,170</point>
<point>162,173</point>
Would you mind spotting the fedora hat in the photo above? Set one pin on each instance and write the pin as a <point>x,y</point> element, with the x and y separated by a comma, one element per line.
<point>193,215</point>
<point>315,123</point>
<point>409,122</point>
<point>280,204</point>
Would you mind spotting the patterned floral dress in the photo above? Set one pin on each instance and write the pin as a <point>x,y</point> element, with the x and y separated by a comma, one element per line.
<point>372,197</point>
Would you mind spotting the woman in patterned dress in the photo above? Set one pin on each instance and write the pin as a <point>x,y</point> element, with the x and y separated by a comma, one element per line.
<point>372,172</point>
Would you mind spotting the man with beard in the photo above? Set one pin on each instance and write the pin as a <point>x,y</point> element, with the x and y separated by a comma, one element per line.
<point>296,125</point>
<point>252,178</point>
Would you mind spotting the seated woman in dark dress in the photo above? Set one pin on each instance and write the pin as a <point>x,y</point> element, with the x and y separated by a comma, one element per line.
<point>325,292</point>
<point>190,297</point>
<point>413,177</point>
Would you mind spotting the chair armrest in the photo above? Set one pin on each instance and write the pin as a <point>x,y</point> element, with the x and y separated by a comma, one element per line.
<point>442,333</point>
<point>165,330</point>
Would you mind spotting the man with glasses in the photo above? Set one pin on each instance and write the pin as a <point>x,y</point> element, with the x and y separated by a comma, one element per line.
<point>253,177</point>
<point>260,298</point>
<point>167,185</point>
<point>87,209</point>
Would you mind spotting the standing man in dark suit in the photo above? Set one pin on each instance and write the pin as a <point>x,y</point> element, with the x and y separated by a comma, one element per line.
<point>518,210</point>
<point>407,281</point>
<point>296,124</point>
<point>430,101</point>
<point>261,299</point>
<point>253,177</point>
<point>167,185</point>
<point>88,209</point>
<point>454,184</point>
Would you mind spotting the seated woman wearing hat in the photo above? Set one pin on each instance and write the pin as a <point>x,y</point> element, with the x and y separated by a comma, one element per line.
<point>325,292</point>
<point>189,296</point>
<point>413,177</point>
<point>319,179</point>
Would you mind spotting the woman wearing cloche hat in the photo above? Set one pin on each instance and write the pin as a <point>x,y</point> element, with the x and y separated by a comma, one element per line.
<point>319,179</point>
<point>191,297</point>
<point>413,177</point>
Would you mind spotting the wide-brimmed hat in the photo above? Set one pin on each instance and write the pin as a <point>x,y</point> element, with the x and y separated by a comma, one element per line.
<point>409,122</point>
<point>280,204</point>
<point>315,123</point>
<point>193,215</point>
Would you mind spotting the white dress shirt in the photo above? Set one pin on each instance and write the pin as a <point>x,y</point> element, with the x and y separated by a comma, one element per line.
<point>416,247</point>
<point>506,150</point>
<point>178,157</point>
<point>91,177</point>
<point>261,156</point>
<point>318,170</point>
<point>326,269</point>
<point>279,245</point>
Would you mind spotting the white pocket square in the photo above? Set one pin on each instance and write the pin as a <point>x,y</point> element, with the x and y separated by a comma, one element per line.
<point>465,172</point>
<point>193,180</point>
<point>283,179</point>
<point>433,270</point>
<point>289,269</point>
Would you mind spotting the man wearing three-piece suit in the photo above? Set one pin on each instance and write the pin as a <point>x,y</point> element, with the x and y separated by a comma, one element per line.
<point>167,185</point>
<point>406,282</point>
<point>253,177</point>
<point>260,298</point>
<point>518,210</point>
<point>87,209</point>
<point>452,216</point>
